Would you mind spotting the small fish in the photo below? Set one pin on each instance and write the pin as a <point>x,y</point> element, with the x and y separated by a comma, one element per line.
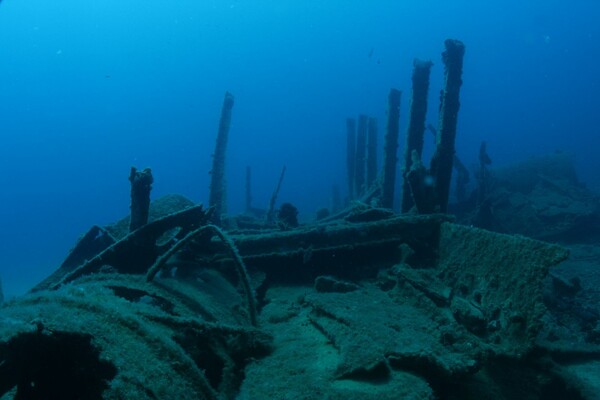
<point>371,52</point>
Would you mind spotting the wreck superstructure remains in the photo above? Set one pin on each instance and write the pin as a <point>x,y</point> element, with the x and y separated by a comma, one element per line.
<point>179,301</point>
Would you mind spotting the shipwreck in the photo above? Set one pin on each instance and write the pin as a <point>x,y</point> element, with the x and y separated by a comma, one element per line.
<point>183,301</point>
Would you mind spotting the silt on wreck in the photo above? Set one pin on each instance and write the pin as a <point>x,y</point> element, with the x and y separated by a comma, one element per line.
<point>189,303</point>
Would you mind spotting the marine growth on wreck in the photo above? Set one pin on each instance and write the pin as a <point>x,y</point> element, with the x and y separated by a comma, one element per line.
<point>423,279</point>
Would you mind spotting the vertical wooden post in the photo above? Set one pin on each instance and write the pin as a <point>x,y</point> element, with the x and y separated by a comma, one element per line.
<point>361,153</point>
<point>372,152</point>
<point>441,163</point>
<point>217,197</point>
<point>416,125</point>
<point>419,185</point>
<point>141,185</point>
<point>390,147</point>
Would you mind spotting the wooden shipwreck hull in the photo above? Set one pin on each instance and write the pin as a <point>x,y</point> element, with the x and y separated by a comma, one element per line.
<point>389,304</point>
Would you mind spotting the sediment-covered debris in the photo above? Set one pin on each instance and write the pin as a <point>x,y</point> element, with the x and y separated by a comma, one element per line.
<point>394,304</point>
<point>115,336</point>
<point>412,332</point>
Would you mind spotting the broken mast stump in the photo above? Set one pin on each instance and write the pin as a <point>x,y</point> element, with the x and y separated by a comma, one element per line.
<point>361,155</point>
<point>441,163</point>
<point>391,146</point>
<point>141,185</point>
<point>463,177</point>
<point>419,186</point>
<point>217,196</point>
<point>371,152</point>
<point>416,125</point>
<point>351,154</point>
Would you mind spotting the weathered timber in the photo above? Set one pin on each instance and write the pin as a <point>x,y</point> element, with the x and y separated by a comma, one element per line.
<point>372,196</point>
<point>371,152</point>
<point>217,197</point>
<point>416,124</point>
<point>391,146</point>
<point>189,335</point>
<point>138,251</point>
<point>420,186</point>
<point>92,243</point>
<point>161,261</point>
<point>462,177</point>
<point>361,155</point>
<point>441,162</point>
<point>141,185</point>
<point>350,249</point>
<point>116,336</point>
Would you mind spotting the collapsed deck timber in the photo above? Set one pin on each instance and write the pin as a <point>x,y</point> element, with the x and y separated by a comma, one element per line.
<point>187,333</point>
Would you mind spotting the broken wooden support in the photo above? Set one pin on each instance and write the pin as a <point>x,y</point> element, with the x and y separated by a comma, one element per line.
<point>416,124</point>
<point>390,158</point>
<point>95,241</point>
<point>371,152</point>
<point>420,186</point>
<point>217,197</point>
<point>462,177</point>
<point>141,185</point>
<point>137,251</point>
<point>441,163</point>
<point>351,248</point>
<point>161,261</point>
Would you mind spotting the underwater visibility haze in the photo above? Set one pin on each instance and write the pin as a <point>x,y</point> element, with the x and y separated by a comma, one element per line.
<point>291,251</point>
<point>89,89</point>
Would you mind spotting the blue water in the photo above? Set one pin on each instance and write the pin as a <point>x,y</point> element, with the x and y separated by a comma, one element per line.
<point>90,88</point>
